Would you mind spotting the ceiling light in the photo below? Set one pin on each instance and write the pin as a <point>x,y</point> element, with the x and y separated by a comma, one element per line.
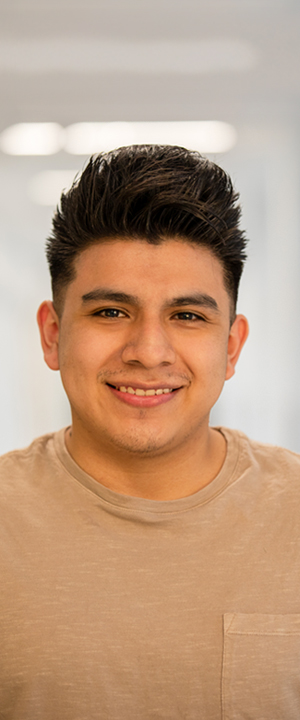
<point>32,139</point>
<point>45,188</point>
<point>205,136</point>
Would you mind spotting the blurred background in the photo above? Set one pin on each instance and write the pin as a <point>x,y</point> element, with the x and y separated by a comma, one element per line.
<point>92,75</point>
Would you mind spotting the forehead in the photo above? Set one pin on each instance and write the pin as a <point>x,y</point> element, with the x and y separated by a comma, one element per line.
<point>140,252</point>
<point>147,270</point>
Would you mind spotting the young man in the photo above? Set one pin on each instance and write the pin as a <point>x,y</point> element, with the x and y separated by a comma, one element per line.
<point>150,562</point>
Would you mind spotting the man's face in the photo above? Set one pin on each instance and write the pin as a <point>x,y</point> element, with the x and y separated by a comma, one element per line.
<point>144,343</point>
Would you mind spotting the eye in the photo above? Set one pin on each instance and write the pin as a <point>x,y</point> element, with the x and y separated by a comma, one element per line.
<point>188,316</point>
<point>110,313</point>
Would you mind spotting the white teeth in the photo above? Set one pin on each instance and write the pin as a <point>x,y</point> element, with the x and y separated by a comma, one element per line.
<point>141,392</point>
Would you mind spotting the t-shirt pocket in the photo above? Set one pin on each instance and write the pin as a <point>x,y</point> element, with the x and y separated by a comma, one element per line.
<point>261,667</point>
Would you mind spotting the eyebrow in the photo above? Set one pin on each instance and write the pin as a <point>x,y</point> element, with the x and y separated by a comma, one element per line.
<point>199,299</point>
<point>103,294</point>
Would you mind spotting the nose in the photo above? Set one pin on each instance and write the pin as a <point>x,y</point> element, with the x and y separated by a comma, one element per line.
<point>149,345</point>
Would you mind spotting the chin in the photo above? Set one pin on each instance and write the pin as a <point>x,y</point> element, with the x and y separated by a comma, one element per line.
<point>140,448</point>
<point>146,446</point>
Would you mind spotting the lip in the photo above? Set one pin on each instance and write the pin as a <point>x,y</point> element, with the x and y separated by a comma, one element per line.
<point>144,401</point>
<point>141,386</point>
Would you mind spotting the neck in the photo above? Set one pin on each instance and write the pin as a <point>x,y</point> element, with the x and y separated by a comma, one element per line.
<point>169,475</point>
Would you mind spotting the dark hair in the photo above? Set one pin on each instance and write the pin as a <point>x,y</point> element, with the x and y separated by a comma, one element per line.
<point>148,192</point>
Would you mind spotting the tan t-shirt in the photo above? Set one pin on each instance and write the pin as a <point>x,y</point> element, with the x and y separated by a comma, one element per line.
<point>120,608</point>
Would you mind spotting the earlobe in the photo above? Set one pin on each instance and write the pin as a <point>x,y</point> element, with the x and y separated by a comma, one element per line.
<point>239,332</point>
<point>48,323</point>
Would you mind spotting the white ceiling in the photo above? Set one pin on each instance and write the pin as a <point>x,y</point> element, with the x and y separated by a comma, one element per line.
<point>123,60</point>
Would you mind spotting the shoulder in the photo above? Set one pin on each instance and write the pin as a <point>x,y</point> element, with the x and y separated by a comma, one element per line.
<point>267,463</point>
<point>22,455</point>
<point>261,452</point>
<point>20,468</point>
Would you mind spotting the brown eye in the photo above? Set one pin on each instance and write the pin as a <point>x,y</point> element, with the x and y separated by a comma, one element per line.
<point>188,316</point>
<point>109,313</point>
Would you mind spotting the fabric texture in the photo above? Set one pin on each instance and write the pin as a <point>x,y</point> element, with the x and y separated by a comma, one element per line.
<point>120,608</point>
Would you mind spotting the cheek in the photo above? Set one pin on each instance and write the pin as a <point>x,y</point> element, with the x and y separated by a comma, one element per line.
<point>207,358</point>
<point>83,355</point>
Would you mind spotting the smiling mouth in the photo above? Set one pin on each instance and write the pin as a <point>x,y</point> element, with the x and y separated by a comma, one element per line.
<point>141,392</point>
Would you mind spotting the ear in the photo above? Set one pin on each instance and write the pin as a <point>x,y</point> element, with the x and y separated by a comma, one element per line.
<point>239,332</point>
<point>48,323</point>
